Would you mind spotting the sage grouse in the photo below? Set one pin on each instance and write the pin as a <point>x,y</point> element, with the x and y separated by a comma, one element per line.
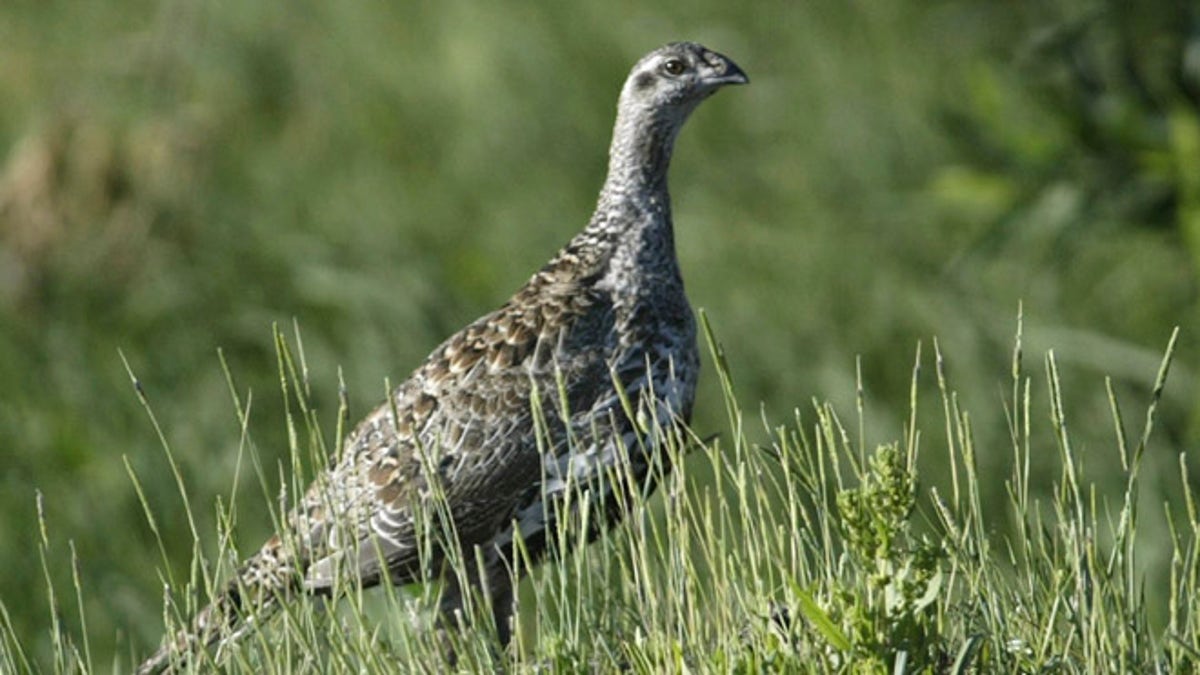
<point>601,341</point>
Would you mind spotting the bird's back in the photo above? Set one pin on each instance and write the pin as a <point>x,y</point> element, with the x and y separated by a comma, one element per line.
<point>520,396</point>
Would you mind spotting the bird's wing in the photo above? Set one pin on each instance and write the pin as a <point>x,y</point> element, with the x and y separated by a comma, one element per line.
<point>461,427</point>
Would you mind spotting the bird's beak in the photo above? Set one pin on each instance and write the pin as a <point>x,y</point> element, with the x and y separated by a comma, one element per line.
<point>722,70</point>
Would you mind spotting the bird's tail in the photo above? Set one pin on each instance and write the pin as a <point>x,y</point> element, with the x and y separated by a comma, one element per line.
<point>251,596</point>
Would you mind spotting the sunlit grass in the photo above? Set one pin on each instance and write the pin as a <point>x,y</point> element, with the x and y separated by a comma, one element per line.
<point>810,553</point>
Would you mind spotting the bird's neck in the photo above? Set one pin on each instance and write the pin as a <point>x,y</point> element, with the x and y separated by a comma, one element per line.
<point>639,156</point>
<point>635,205</point>
<point>634,210</point>
<point>630,237</point>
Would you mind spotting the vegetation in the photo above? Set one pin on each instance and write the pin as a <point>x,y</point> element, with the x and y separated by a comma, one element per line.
<point>810,553</point>
<point>178,178</point>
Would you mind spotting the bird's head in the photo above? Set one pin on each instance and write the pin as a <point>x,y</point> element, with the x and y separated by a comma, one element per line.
<point>674,78</point>
<point>662,90</point>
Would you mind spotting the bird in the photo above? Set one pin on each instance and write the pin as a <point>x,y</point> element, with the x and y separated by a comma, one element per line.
<point>585,368</point>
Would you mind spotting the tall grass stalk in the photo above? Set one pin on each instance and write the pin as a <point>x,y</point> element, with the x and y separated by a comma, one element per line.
<point>807,553</point>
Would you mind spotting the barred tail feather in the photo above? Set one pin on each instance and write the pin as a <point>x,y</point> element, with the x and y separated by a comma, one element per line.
<point>254,594</point>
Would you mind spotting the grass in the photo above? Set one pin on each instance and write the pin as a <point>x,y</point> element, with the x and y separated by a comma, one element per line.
<point>814,552</point>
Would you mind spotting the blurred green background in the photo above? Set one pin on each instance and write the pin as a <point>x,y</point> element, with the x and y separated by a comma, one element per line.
<point>179,176</point>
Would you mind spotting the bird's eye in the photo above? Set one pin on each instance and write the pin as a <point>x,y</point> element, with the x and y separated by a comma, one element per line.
<point>674,67</point>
